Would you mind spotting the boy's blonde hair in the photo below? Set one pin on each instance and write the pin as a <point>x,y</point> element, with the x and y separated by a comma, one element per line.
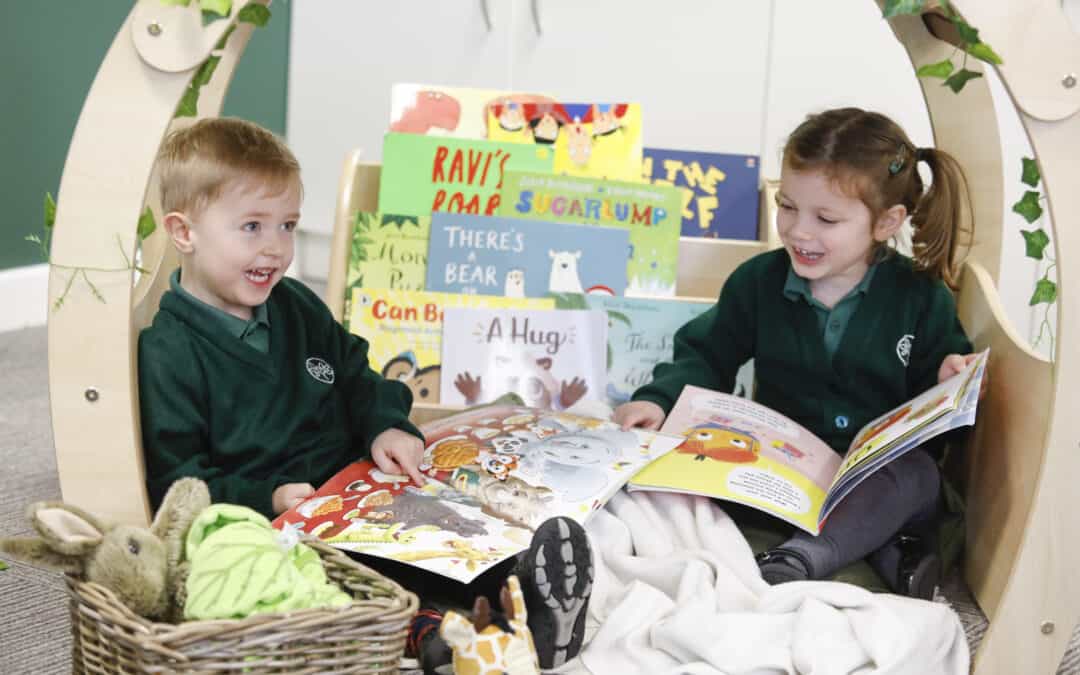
<point>198,162</point>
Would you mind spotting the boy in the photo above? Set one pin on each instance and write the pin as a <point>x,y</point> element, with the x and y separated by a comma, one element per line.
<point>247,382</point>
<point>245,379</point>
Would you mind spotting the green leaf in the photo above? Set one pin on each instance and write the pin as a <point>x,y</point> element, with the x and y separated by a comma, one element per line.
<point>983,52</point>
<point>1034,243</point>
<point>619,316</point>
<point>1030,174</point>
<point>400,221</point>
<point>50,211</point>
<point>569,300</point>
<point>254,13</point>
<point>147,224</point>
<point>1045,291</point>
<point>32,238</point>
<point>968,33</point>
<point>225,38</point>
<point>898,7</point>
<point>1028,206</point>
<point>219,7</point>
<point>206,70</point>
<point>189,103</point>
<point>3,565</point>
<point>957,81</point>
<point>940,69</point>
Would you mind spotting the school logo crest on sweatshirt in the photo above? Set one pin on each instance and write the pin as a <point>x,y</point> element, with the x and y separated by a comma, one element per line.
<point>903,349</point>
<point>320,370</point>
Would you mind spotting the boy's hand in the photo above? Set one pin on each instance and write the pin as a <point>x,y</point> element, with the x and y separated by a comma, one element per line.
<point>399,452</point>
<point>955,364</point>
<point>640,414</point>
<point>289,495</point>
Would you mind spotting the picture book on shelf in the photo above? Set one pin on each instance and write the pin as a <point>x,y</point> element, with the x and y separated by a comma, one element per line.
<point>423,174</point>
<point>550,358</point>
<point>449,111</point>
<point>386,251</point>
<point>495,473</point>
<point>523,258</point>
<point>404,331</point>
<point>720,191</point>
<point>744,452</point>
<point>649,212</point>
<point>641,333</point>
<point>601,140</point>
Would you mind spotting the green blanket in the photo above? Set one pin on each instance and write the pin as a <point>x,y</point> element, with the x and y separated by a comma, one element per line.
<point>240,565</point>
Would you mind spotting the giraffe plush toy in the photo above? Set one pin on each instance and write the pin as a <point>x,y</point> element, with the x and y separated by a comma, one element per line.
<point>490,645</point>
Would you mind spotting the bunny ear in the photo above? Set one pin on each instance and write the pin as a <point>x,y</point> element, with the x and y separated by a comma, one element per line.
<point>66,529</point>
<point>38,552</point>
<point>185,499</point>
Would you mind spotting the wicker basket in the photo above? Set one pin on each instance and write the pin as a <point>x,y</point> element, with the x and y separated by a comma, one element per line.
<point>368,636</point>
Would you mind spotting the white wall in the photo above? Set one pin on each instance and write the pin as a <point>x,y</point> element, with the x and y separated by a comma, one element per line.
<point>771,62</point>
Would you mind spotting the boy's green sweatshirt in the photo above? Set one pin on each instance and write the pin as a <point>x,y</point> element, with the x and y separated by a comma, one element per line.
<point>890,351</point>
<point>245,421</point>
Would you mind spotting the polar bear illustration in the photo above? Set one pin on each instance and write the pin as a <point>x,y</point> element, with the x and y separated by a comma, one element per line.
<point>564,272</point>
<point>515,283</point>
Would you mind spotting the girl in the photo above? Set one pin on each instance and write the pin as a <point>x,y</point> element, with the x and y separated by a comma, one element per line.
<point>841,328</point>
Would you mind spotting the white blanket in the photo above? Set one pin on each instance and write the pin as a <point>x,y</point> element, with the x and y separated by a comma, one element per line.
<point>677,591</point>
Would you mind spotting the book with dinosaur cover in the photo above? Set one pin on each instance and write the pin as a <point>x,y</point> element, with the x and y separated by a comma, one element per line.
<point>720,191</point>
<point>744,452</point>
<point>650,213</point>
<point>601,140</point>
<point>424,174</point>
<point>495,473</point>
<point>549,358</point>
<point>438,110</point>
<point>404,331</point>
<point>521,258</point>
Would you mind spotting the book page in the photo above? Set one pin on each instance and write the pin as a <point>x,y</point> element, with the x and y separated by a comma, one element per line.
<point>943,407</point>
<point>744,452</point>
<point>527,465</point>
<point>364,510</point>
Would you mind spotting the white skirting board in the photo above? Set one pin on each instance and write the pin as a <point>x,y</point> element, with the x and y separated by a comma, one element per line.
<point>25,291</point>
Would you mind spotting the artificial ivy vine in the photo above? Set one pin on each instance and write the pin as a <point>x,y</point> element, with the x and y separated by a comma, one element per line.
<point>970,43</point>
<point>1035,243</point>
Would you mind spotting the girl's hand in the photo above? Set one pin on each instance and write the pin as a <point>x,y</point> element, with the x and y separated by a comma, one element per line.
<point>399,452</point>
<point>955,364</point>
<point>289,495</point>
<point>640,414</point>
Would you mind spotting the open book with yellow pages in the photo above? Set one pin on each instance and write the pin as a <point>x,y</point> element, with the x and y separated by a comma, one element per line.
<point>744,452</point>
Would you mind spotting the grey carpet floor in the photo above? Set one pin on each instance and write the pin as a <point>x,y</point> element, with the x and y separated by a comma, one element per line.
<point>34,624</point>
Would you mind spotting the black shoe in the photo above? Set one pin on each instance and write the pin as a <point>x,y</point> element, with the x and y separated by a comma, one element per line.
<point>556,578</point>
<point>780,565</point>
<point>919,570</point>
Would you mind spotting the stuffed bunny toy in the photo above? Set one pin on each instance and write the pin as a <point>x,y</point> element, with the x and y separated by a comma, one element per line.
<point>141,566</point>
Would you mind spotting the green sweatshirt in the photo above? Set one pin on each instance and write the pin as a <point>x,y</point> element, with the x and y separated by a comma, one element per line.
<point>890,350</point>
<point>246,421</point>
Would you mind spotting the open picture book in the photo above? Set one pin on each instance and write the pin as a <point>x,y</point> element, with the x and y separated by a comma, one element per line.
<point>494,474</point>
<point>744,452</point>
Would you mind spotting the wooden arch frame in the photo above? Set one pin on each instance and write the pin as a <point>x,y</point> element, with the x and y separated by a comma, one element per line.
<point>1021,558</point>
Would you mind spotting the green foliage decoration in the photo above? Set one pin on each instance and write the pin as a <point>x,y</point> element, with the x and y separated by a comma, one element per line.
<point>1035,243</point>
<point>970,42</point>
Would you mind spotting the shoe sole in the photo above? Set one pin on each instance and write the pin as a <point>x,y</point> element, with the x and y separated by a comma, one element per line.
<point>556,579</point>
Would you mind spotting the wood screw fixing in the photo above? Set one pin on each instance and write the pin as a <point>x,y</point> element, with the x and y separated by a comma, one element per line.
<point>154,28</point>
<point>1047,627</point>
<point>92,394</point>
<point>1069,81</point>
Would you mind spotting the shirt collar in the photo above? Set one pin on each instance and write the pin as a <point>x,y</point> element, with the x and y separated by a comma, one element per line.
<point>796,287</point>
<point>234,325</point>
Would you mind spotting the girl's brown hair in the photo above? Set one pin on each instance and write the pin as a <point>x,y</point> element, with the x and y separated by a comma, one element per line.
<point>871,158</point>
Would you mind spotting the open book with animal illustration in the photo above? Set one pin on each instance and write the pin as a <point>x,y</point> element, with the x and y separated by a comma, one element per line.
<point>494,474</point>
<point>741,451</point>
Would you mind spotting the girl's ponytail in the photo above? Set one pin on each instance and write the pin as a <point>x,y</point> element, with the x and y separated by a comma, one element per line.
<point>942,218</point>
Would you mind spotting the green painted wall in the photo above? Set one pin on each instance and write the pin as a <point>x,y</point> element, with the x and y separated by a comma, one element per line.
<point>50,51</point>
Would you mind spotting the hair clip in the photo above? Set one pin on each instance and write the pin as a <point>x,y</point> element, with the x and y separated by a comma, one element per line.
<point>896,165</point>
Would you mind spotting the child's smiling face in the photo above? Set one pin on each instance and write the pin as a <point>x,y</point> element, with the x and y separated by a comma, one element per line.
<point>827,233</point>
<point>240,246</point>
